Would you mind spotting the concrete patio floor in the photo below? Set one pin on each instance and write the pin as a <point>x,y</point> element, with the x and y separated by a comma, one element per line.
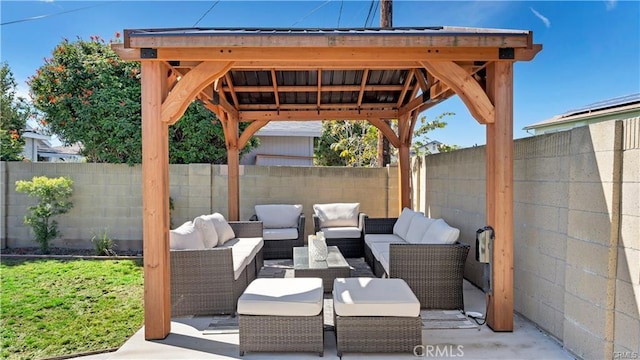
<point>188,341</point>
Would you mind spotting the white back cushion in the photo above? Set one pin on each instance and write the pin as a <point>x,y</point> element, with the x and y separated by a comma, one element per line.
<point>207,231</point>
<point>417,228</point>
<point>440,233</point>
<point>402,224</point>
<point>279,216</point>
<point>224,230</point>
<point>337,214</point>
<point>185,237</point>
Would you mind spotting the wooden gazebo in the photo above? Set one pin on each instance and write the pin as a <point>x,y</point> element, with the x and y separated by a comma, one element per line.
<point>262,75</point>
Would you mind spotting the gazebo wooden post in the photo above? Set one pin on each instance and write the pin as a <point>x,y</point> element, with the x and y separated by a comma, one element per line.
<point>404,162</point>
<point>233,166</point>
<point>155,201</point>
<point>499,194</point>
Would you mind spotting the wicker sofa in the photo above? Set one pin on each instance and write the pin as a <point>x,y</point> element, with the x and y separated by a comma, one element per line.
<point>342,225</point>
<point>423,252</point>
<point>282,229</point>
<point>209,280</point>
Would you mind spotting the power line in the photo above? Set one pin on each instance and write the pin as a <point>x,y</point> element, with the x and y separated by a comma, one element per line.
<point>54,14</point>
<point>375,10</point>
<point>369,14</point>
<point>340,13</point>
<point>311,12</point>
<point>206,12</point>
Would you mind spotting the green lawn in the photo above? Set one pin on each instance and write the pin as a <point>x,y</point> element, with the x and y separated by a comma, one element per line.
<point>54,307</point>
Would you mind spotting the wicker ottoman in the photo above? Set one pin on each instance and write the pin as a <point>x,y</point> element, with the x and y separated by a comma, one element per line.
<point>375,315</point>
<point>282,315</point>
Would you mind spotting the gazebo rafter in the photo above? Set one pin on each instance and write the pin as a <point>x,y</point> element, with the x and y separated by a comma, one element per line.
<point>375,75</point>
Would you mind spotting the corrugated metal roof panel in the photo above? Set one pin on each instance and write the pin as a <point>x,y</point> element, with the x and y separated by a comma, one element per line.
<point>429,30</point>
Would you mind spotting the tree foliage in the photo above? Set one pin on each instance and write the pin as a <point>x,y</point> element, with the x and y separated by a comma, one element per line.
<point>54,197</point>
<point>420,138</point>
<point>14,112</point>
<point>347,143</point>
<point>89,96</point>
<point>355,143</point>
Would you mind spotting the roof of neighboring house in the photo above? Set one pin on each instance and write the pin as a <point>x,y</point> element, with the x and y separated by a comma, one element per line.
<point>291,128</point>
<point>605,107</point>
<point>35,135</point>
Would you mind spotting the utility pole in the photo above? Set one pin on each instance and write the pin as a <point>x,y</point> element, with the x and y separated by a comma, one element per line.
<point>386,22</point>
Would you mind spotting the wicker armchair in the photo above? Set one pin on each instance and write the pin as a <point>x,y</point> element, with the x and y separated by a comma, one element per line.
<point>203,281</point>
<point>282,249</point>
<point>433,271</point>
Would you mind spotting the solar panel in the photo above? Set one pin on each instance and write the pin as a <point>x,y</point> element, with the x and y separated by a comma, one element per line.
<point>618,101</point>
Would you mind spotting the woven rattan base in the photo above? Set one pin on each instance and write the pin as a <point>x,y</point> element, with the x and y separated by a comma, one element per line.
<point>380,334</point>
<point>264,333</point>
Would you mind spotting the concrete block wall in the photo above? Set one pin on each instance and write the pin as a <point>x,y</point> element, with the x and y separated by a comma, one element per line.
<point>576,230</point>
<point>627,295</point>
<point>455,191</point>
<point>108,197</point>
<point>314,185</point>
<point>541,182</point>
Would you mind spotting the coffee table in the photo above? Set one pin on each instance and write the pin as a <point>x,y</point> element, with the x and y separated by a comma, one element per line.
<point>328,270</point>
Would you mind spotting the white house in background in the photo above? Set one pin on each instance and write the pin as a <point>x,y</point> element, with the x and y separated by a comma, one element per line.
<point>620,108</point>
<point>287,143</point>
<point>38,147</point>
<point>32,142</point>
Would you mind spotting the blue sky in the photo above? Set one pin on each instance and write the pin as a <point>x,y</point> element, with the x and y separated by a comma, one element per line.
<point>591,49</point>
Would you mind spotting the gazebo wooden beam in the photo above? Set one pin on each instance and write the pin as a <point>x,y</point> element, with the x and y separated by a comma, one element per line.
<point>293,115</point>
<point>470,92</point>
<point>276,57</point>
<point>189,86</point>
<point>235,40</point>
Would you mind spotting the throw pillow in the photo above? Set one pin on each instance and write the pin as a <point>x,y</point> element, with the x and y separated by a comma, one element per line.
<point>224,230</point>
<point>278,216</point>
<point>440,233</point>
<point>401,227</point>
<point>185,237</point>
<point>207,231</point>
<point>417,228</point>
<point>337,214</point>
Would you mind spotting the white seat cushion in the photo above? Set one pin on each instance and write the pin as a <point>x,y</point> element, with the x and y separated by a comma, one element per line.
<point>251,246</point>
<point>337,214</point>
<point>207,231</point>
<point>382,238</point>
<point>282,297</point>
<point>185,237</point>
<point>240,261</point>
<point>244,250</point>
<point>349,232</point>
<point>417,228</point>
<point>280,234</point>
<point>374,297</point>
<point>278,216</point>
<point>401,226</point>
<point>440,233</point>
<point>223,229</point>
<point>378,248</point>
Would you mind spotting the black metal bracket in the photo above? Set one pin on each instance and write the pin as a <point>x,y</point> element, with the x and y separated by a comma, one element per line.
<point>148,53</point>
<point>506,53</point>
<point>215,98</point>
<point>174,62</point>
<point>426,96</point>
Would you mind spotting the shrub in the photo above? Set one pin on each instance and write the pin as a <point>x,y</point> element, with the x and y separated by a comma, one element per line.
<point>54,196</point>
<point>103,245</point>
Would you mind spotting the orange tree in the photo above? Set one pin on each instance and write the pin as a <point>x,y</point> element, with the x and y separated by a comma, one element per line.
<point>14,112</point>
<point>87,95</point>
